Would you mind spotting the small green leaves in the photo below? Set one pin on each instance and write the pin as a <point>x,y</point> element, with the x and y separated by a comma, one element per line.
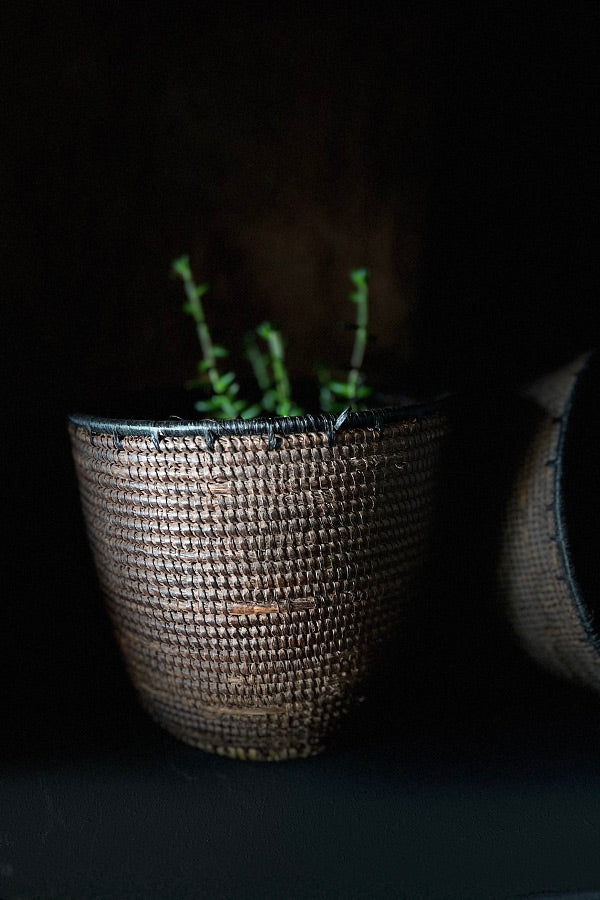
<point>291,410</point>
<point>271,373</point>
<point>341,389</point>
<point>269,364</point>
<point>251,412</point>
<point>265,330</point>
<point>269,400</point>
<point>360,280</point>
<point>224,402</point>
<point>223,382</point>
<point>181,267</point>
<point>359,277</point>
<point>193,307</point>
<point>349,391</point>
<point>336,395</point>
<point>259,362</point>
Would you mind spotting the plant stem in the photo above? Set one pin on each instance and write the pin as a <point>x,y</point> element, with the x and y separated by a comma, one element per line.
<point>258,363</point>
<point>279,390</point>
<point>194,294</point>
<point>282,382</point>
<point>360,277</point>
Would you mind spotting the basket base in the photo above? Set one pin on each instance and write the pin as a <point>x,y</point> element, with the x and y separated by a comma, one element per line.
<point>193,737</point>
<point>251,754</point>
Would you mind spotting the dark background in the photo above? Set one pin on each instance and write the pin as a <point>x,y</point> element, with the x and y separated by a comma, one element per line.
<point>455,156</point>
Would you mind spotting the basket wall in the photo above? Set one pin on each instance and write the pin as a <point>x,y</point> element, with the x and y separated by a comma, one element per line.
<point>251,586</point>
<point>550,613</point>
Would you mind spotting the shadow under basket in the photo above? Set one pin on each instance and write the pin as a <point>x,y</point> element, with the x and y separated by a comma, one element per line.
<point>256,570</point>
<point>551,536</point>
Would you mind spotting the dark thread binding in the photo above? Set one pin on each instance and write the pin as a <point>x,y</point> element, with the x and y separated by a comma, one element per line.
<point>379,423</point>
<point>584,613</point>
<point>211,430</point>
<point>155,435</point>
<point>339,422</point>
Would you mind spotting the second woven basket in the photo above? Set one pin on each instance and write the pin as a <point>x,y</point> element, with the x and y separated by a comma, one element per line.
<point>255,571</point>
<point>548,570</point>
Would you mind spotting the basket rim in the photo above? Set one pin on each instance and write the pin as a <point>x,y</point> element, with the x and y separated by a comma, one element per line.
<point>589,368</point>
<point>269,426</point>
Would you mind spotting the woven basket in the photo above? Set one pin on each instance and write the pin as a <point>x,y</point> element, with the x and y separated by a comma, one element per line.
<point>548,569</point>
<point>254,571</point>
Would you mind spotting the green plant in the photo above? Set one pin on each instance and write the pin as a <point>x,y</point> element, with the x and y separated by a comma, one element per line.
<point>271,373</point>
<point>337,395</point>
<point>268,363</point>
<point>224,402</point>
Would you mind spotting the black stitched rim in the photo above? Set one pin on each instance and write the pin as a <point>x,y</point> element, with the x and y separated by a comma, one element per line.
<point>581,607</point>
<point>270,426</point>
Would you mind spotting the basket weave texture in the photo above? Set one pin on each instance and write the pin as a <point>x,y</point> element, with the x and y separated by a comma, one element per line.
<point>547,608</point>
<point>253,579</point>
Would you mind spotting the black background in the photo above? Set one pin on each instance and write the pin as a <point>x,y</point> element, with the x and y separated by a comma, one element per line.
<point>454,154</point>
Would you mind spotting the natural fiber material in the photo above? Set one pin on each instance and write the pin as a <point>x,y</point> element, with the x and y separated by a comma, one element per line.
<point>551,609</point>
<point>253,578</point>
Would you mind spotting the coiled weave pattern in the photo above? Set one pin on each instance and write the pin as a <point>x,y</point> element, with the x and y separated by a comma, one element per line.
<point>251,585</point>
<point>548,610</point>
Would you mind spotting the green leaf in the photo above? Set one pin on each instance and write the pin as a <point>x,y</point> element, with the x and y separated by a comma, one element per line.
<point>220,352</point>
<point>222,405</point>
<point>251,412</point>
<point>359,277</point>
<point>223,382</point>
<point>269,400</point>
<point>264,330</point>
<point>181,267</point>
<point>203,405</point>
<point>341,388</point>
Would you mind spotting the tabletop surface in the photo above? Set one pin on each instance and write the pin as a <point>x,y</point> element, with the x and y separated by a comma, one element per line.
<point>486,796</point>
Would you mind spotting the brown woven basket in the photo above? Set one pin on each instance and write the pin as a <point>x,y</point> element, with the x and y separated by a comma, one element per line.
<point>255,570</point>
<point>548,569</point>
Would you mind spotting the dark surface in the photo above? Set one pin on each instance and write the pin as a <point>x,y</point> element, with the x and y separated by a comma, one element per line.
<point>469,774</point>
<point>499,804</point>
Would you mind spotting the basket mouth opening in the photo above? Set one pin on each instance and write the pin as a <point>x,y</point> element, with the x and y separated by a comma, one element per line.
<point>578,494</point>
